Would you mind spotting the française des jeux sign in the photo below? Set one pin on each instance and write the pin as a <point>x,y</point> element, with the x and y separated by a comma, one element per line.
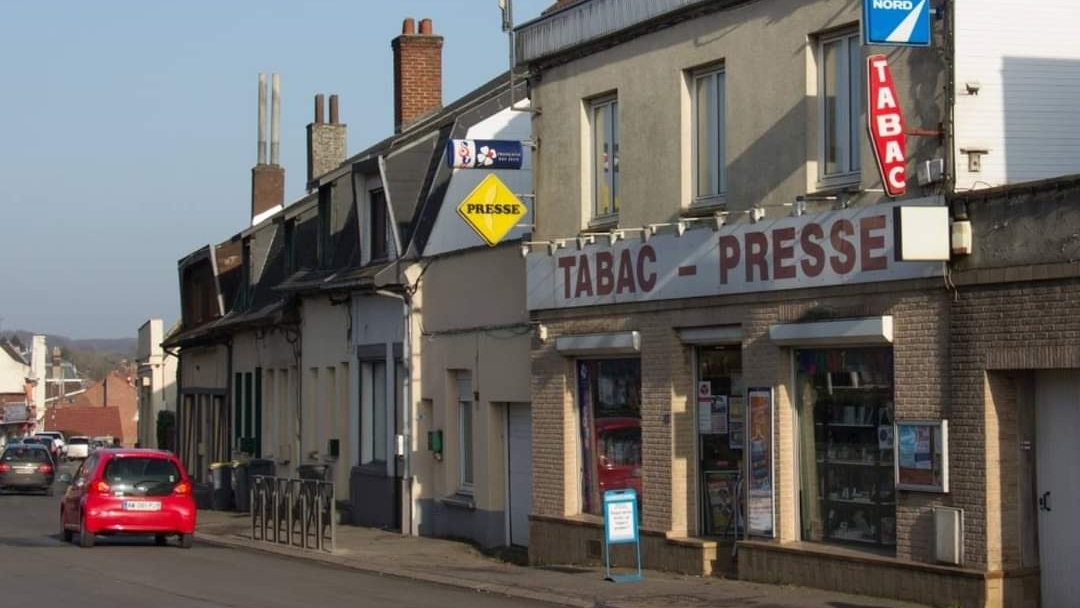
<point>886,125</point>
<point>840,247</point>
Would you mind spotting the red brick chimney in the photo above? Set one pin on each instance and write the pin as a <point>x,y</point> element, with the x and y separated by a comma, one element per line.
<point>417,73</point>
<point>268,179</point>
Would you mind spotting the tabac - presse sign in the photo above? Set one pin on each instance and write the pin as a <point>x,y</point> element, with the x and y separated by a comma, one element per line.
<point>484,154</point>
<point>896,22</point>
<point>886,123</point>
<point>492,210</point>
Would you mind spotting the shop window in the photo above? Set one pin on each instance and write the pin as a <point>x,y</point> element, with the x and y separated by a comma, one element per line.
<point>609,404</point>
<point>721,424</point>
<point>845,400</point>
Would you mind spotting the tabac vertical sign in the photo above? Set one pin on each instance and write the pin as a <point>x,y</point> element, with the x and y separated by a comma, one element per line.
<point>886,124</point>
<point>491,209</point>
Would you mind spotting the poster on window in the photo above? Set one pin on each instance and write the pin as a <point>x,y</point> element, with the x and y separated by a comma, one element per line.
<point>922,455</point>
<point>760,512</point>
<point>718,410</point>
<point>736,422</point>
<point>722,488</point>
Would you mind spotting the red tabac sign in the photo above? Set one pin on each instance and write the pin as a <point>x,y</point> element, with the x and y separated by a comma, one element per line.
<point>886,124</point>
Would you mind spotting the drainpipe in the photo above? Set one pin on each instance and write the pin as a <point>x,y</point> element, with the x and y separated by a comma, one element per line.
<point>408,520</point>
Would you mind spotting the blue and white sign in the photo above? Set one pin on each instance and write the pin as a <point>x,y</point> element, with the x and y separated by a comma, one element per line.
<point>896,22</point>
<point>621,526</point>
<point>484,154</point>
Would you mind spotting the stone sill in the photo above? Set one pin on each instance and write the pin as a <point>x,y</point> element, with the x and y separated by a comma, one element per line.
<point>855,556</point>
<point>459,501</point>
<point>585,520</point>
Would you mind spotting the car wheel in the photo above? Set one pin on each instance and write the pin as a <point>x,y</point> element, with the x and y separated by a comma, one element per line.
<point>187,540</point>
<point>160,540</point>
<point>86,539</point>
<point>66,534</point>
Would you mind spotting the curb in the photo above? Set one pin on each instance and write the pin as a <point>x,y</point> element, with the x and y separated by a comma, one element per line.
<point>547,597</point>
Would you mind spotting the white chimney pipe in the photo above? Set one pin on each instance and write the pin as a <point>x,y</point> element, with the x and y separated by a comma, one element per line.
<point>262,120</point>
<point>275,118</point>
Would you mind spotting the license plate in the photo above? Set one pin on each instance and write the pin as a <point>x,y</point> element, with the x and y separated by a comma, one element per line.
<point>141,505</point>
<point>24,471</point>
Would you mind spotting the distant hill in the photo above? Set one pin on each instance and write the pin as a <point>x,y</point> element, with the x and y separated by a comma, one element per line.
<point>93,357</point>
<point>115,346</point>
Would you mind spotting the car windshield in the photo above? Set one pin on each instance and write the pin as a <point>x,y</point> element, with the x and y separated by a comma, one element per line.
<point>78,441</point>
<point>25,454</point>
<point>142,476</point>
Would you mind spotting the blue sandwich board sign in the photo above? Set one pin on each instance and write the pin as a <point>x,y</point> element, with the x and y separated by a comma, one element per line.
<point>621,526</point>
<point>896,22</point>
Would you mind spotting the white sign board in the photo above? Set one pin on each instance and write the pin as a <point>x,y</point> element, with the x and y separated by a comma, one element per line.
<point>843,247</point>
<point>620,517</point>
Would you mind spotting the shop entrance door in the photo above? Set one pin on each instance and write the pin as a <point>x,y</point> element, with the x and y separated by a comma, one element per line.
<point>721,423</point>
<point>1057,426</point>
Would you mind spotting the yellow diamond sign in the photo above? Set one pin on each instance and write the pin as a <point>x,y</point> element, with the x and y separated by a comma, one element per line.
<point>491,209</point>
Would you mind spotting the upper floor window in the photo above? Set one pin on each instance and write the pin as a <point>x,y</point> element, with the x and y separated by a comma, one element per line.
<point>710,163</point>
<point>377,225</point>
<point>604,122</point>
<point>840,93</point>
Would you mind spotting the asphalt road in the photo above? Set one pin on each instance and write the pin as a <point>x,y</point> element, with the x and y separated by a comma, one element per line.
<point>38,569</point>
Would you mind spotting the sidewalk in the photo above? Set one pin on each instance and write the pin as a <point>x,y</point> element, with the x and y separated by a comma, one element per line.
<point>460,565</point>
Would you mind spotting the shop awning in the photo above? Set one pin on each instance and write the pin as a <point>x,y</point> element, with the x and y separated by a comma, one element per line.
<point>717,334</point>
<point>861,331</point>
<point>615,343</point>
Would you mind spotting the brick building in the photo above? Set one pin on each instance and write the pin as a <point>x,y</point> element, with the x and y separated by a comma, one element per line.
<point>805,381</point>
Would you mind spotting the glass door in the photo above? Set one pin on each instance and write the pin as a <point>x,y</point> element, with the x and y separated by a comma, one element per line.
<point>721,425</point>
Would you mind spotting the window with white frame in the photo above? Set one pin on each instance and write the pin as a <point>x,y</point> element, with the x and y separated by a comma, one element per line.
<point>466,472</point>
<point>840,106</point>
<point>710,163</point>
<point>604,123</point>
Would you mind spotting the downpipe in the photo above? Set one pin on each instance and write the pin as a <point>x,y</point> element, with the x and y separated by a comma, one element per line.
<point>408,509</point>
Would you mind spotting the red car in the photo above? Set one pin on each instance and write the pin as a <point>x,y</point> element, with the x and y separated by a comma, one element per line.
<point>618,447</point>
<point>129,491</point>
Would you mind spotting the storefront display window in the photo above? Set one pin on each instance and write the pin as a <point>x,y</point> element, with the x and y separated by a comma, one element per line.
<point>609,403</point>
<point>721,425</point>
<point>845,401</point>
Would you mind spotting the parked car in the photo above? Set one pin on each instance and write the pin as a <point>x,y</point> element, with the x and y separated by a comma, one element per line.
<point>58,439</point>
<point>47,442</point>
<point>618,447</point>
<point>129,491</point>
<point>27,467</point>
<point>78,447</point>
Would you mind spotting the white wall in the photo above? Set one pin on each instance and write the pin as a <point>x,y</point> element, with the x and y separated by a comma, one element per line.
<point>326,363</point>
<point>1025,58</point>
<point>12,374</point>
<point>450,231</point>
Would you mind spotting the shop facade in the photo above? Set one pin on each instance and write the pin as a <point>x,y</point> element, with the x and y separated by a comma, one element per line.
<point>744,403</point>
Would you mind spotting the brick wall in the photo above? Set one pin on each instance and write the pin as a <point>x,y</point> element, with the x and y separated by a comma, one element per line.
<point>1008,326</point>
<point>267,188</point>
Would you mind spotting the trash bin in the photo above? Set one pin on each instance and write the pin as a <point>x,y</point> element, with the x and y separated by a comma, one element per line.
<point>317,472</point>
<point>240,485</point>
<point>221,498</point>
<point>203,493</point>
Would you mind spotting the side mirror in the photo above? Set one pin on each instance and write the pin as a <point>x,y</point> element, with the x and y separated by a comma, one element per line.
<point>65,478</point>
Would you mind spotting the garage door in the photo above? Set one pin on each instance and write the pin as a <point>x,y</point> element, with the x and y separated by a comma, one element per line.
<point>519,455</point>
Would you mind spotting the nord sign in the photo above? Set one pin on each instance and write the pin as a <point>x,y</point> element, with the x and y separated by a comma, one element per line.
<point>896,22</point>
<point>886,125</point>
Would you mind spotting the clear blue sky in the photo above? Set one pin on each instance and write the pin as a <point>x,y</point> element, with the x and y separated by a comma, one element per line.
<point>129,131</point>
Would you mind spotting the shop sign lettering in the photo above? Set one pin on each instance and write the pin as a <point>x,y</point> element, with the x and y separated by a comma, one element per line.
<point>841,247</point>
<point>886,124</point>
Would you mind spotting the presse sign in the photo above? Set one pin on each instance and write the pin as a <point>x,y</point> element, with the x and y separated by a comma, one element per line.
<point>836,248</point>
